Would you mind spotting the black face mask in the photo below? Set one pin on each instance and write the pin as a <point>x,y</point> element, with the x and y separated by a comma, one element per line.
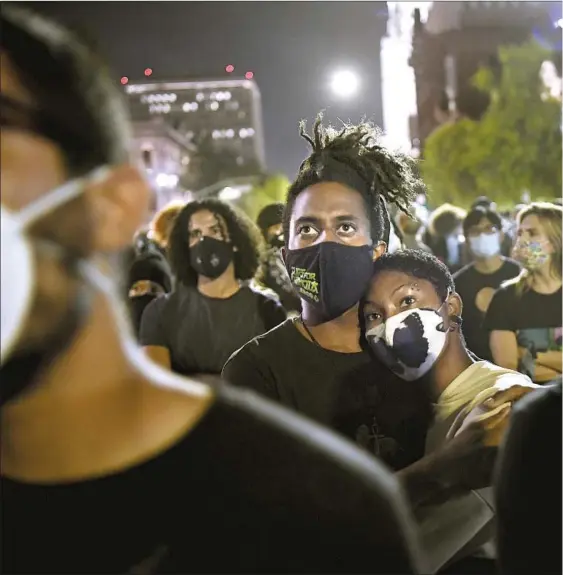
<point>211,257</point>
<point>331,277</point>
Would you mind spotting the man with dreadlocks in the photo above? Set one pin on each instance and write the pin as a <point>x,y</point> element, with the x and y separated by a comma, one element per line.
<point>335,225</point>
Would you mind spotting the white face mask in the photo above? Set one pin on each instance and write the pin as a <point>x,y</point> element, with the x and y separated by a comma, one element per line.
<point>18,279</point>
<point>17,258</point>
<point>410,342</point>
<point>485,245</point>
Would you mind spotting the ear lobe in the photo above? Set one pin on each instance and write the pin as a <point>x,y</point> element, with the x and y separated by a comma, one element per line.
<point>120,205</point>
<point>455,305</point>
<point>379,250</point>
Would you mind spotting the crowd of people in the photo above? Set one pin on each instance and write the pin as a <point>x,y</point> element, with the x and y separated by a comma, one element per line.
<point>350,384</point>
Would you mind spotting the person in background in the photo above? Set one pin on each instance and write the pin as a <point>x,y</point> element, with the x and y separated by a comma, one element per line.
<point>110,464</point>
<point>528,487</point>
<point>507,238</point>
<point>273,273</point>
<point>476,283</point>
<point>411,232</point>
<point>444,236</point>
<point>214,252</point>
<point>149,273</point>
<point>524,317</point>
<point>162,223</point>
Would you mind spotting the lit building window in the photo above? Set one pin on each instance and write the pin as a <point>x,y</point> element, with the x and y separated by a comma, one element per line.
<point>190,106</point>
<point>200,96</point>
<point>246,133</point>
<point>214,106</point>
<point>230,133</point>
<point>159,108</point>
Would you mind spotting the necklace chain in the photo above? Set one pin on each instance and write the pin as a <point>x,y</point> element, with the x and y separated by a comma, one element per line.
<point>313,339</point>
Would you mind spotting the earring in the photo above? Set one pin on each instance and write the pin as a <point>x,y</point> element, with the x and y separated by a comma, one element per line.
<point>456,320</point>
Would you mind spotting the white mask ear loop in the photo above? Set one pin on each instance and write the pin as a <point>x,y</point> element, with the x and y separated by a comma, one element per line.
<point>130,346</point>
<point>57,197</point>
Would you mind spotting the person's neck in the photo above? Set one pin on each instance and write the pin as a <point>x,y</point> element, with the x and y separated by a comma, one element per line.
<point>91,411</point>
<point>543,280</point>
<point>223,287</point>
<point>454,361</point>
<point>489,265</point>
<point>341,334</point>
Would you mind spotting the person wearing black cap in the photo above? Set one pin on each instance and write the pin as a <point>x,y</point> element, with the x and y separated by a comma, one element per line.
<point>272,273</point>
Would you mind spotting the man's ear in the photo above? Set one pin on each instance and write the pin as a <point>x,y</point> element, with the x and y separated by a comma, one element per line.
<point>379,250</point>
<point>455,306</point>
<point>120,205</point>
<point>283,254</point>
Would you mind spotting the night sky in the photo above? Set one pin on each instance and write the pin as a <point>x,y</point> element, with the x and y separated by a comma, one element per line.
<point>290,46</point>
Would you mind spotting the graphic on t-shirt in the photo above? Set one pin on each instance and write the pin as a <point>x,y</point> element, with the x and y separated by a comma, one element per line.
<point>306,282</point>
<point>368,438</point>
<point>483,299</point>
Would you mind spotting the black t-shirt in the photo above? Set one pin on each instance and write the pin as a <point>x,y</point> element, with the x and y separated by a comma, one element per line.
<point>476,290</point>
<point>348,392</point>
<point>201,332</point>
<point>251,489</point>
<point>535,319</point>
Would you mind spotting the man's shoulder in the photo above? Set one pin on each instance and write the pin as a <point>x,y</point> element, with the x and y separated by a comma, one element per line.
<point>270,342</point>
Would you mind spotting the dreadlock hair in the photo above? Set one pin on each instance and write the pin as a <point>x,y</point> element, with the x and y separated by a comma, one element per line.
<point>356,153</point>
<point>234,224</point>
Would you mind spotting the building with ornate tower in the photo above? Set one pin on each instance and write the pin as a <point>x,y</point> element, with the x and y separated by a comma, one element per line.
<point>454,41</point>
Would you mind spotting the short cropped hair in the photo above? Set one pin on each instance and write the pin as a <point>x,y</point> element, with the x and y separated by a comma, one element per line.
<point>418,264</point>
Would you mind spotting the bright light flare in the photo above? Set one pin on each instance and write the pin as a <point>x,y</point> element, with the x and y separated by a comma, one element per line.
<point>345,83</point>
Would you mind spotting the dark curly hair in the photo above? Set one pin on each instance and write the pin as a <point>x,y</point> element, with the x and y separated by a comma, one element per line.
<point>379,174</point>
<point>243,233</point>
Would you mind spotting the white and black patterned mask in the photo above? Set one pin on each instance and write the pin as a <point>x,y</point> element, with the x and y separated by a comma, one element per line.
<point>410,343</point>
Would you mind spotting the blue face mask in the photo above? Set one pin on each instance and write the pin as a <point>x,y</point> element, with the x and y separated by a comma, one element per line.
<point>485,245</point>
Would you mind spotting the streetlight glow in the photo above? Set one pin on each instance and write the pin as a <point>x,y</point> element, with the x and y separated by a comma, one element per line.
<point>344,83</point>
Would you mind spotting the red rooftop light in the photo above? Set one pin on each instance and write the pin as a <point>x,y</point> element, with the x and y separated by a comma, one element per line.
<point>148,72</point>
<point>229,69</point>
<point>249,75</point>
<point>124,80</point>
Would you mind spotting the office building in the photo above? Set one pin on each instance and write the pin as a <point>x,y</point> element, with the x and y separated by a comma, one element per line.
<point>226,113</point>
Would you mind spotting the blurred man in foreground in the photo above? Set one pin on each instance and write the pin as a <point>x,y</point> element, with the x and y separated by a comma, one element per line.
<point>110,464</point>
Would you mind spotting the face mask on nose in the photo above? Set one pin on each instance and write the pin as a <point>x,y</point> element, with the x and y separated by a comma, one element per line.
<point>211,257</point>
<point>485,245</point>
<point>410,343</point>
<point>331,277</point>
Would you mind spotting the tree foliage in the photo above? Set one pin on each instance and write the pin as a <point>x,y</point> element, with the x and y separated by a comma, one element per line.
<point>272,188</point>
<point>514,147</point>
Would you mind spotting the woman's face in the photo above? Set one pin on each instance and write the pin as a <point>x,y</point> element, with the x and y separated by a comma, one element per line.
<point>532,230</point>
<point>533,247</point>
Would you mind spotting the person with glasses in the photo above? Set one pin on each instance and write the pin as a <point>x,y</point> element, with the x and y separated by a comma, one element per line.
<point>477,282</point>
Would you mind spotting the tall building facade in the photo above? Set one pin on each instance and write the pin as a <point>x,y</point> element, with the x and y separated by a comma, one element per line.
<point>226,112</point>
<point>453,42</point>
